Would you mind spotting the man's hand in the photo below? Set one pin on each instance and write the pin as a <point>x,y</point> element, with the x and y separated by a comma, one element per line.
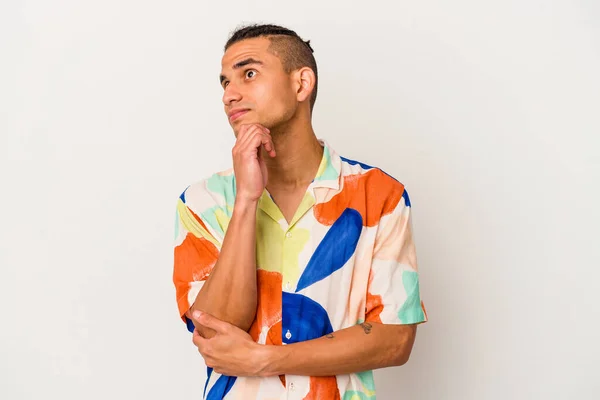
<point>249,167</point>
<point>231,351</point>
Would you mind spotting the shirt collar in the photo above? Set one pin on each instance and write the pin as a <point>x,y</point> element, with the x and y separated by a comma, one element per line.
<point>328,174</point>
<point>328,177</point>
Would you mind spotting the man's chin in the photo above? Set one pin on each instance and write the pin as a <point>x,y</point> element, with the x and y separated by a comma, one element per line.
<point>237,124</point>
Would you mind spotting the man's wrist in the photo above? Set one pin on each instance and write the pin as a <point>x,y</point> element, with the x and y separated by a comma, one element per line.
<point>243,206</point>
<point>270,359</point>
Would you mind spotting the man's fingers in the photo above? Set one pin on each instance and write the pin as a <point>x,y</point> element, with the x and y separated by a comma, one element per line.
<point>254,140</point>
<point>247,142</point>
<point>250,130</point>
<point>197,339</point>
<point>265,140</point>
<point>245,135</point>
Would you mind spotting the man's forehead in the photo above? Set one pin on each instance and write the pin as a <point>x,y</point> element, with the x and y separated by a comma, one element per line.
<point>256,48</point>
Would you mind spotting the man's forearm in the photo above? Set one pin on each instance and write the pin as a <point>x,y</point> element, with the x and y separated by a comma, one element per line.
<point>359,348</point>
<point>229,293</point>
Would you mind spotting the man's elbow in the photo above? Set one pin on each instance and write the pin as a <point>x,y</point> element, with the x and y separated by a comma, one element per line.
<point>242,320</point>
<point>245,323</point>
<point>404,346</point>
<point>402,356</point>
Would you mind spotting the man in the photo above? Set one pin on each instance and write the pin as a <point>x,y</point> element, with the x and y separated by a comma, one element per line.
<point>296,269</point>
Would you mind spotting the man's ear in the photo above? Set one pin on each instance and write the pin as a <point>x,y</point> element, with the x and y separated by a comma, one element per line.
<point>305,83</point>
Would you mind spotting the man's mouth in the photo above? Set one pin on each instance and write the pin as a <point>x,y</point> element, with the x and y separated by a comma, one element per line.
<point>236,114</point>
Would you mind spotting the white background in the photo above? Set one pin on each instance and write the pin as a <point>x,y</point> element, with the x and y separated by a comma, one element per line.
<point>487,111</point>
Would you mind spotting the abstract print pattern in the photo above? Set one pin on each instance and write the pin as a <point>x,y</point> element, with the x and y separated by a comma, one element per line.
<point>346,257</point>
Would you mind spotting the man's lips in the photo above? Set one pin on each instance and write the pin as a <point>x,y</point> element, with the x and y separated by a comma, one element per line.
<point>236,114</point>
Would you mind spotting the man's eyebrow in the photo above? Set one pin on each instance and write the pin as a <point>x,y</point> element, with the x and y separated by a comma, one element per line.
<point>243,63</point>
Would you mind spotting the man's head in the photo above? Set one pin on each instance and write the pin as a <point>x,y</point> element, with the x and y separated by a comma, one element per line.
<point>269,71</point>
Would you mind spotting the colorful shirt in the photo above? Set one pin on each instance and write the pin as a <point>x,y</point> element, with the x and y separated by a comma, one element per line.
<point>346,257</point>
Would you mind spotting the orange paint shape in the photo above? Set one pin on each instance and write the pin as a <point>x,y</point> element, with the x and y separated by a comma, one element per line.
<point>382,191</point>
<point>197,218</point>
<point>268,313</point>
<point>194,258</point>
<point>323,388</point>
<point>274,335</point>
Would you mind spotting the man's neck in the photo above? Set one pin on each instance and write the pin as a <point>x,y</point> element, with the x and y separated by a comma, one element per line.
<point>299,155</point>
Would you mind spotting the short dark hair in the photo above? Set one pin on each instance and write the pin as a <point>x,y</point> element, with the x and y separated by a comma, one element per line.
<point>293,51</point>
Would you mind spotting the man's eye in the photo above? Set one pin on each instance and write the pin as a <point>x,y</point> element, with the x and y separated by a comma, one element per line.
<point>225,84</point>
<point>250,71</point>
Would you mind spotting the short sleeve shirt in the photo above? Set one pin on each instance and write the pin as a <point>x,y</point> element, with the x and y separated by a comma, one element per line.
<point>346,257</point>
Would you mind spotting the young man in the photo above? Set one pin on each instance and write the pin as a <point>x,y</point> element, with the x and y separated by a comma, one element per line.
<point>296,269</point>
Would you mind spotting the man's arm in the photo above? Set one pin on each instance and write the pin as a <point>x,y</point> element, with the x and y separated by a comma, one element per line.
<point>229,293</point>
<point>360,348</point>
<point>370,345</point>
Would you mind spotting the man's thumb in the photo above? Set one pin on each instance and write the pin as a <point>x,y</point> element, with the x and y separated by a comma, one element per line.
<point>206,320</point>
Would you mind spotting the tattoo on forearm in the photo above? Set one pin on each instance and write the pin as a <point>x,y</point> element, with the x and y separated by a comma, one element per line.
<point>329,335</point>
<point>367,327</point>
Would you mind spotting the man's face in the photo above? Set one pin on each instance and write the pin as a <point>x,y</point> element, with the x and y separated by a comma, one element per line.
<point>256,85</point>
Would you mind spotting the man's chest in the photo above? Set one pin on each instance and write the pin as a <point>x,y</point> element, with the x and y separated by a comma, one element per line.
<point>322,270</point>
<point>287,201</point>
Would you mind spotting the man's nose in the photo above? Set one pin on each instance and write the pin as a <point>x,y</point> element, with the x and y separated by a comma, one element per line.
<point>231,94</point>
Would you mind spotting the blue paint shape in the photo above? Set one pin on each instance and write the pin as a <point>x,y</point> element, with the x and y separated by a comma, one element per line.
<point>182,196</point>
<point>190,324</point>
<point>406,198</point>
<point>209,371</point>
<point>366,167</point>
<point>303,317</point>
<point>335,249</point>
<point>354,162</point>
<point>221,387</point>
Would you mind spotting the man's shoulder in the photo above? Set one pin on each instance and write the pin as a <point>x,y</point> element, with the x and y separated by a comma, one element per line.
<point>215,189</point>
<point>373,179</point>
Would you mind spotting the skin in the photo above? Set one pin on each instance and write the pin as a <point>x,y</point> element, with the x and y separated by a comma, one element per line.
<point>276,148</point>
<point>279,102</point>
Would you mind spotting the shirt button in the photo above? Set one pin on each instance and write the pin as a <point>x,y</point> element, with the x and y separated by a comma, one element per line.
<point>288,336</point>
<point>292,386</point>
<point>288,235</point>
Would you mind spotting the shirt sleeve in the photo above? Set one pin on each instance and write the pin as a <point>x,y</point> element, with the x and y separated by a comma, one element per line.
<point>393,295</point>
<point>196,251</point>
